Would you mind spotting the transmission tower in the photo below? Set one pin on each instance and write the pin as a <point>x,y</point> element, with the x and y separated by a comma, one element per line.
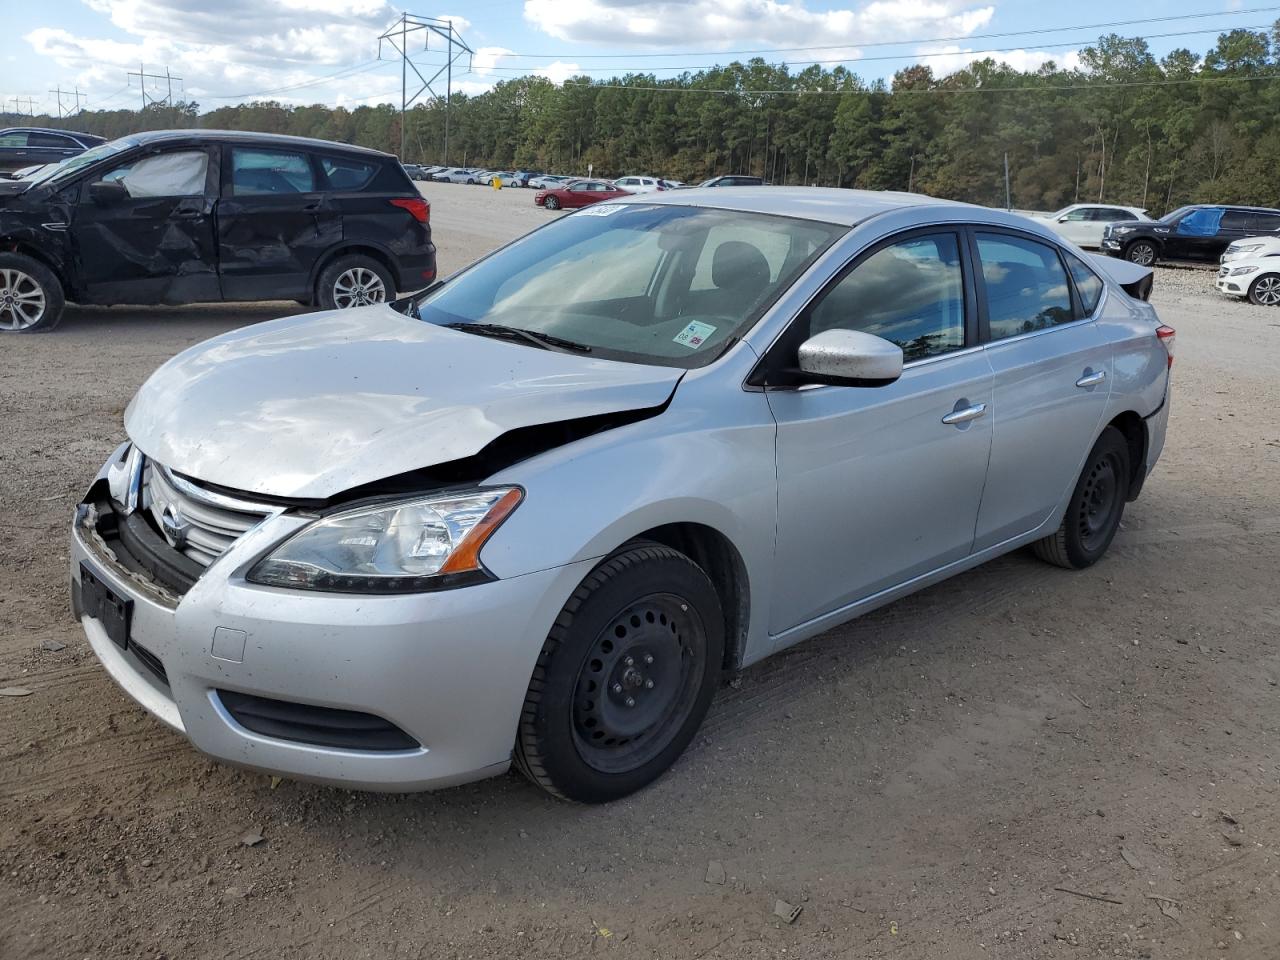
<point>60,93</point>
<point>397,35</point>
<point>143,77</point>
<point>19,102</point>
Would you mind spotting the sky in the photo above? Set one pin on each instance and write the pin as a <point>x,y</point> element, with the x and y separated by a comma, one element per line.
<point>327,51</point>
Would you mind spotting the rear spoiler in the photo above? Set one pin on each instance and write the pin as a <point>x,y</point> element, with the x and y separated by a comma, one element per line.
<point>1136,281</point>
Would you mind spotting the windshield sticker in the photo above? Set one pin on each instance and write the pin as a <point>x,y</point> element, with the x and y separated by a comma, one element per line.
<point>695,334</point>
<point>600,210</point>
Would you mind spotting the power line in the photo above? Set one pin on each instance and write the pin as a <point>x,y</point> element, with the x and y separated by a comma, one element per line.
<point>398,40</point>
<point>896,43</point>
<point>362,67</point>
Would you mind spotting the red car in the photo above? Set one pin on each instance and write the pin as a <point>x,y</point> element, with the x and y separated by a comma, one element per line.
<point>578,193</point>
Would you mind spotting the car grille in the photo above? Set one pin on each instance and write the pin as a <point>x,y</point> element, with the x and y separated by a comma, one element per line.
<point>200,523</point>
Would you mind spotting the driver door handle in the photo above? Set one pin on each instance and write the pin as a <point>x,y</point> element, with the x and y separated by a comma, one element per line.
<point>1091,379</point>
<point>965,415</point>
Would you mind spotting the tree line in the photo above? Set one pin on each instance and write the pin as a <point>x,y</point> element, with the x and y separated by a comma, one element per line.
<point>1124,127</point>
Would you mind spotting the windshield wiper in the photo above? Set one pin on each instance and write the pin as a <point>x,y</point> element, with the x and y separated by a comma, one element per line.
<point>546,341</point>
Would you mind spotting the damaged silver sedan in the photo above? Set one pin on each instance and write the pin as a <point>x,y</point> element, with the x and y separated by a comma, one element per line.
<point>537,513</point>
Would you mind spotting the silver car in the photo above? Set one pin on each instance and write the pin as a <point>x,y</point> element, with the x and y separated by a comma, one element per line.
<point>538,513</point>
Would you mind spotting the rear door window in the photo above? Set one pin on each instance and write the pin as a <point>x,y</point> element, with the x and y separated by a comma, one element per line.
<point>1026,285</point>
<point>270,172</point>
<point>343,174</point>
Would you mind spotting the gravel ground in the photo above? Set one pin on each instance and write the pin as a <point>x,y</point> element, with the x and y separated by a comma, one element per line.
<point>1018,763</point>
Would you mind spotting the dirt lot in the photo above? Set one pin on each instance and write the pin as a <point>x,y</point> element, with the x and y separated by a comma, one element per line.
<point>927,782</point>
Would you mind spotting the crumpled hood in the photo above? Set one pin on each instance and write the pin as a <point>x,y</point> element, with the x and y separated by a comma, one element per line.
<point>310,406</point>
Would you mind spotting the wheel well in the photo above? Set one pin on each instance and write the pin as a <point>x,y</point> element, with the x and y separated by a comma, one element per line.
<point>720,560</point>
<point>1134,429</point>
<point>372,252</point>
<point>35,253</point>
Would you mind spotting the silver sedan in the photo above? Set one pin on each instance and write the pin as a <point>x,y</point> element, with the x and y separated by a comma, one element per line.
<point>536,514</point>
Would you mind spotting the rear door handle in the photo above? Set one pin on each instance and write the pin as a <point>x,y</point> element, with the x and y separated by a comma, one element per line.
<point>965,415</point>
<point>1092,379</point>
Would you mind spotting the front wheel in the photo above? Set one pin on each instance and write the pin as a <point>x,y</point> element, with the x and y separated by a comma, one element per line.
<point>1095,509</point>
<point>354,281</point>
<point>1141,252</point>
<point>552,203</point>
<point>625,676</point>
<point>1265,291</point>
<point>31,298</point>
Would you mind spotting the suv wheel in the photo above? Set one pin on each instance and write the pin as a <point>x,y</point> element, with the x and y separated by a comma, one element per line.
<point>354,281</point>
<point>1265,291</point>
<point>624,678</point>
<point>1141,252</point>
<point>1096,506</point>
<point>31,298</point>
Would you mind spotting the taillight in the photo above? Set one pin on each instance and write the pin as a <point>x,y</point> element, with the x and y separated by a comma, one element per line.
<point>419,208</point>
<point>1167,337</point>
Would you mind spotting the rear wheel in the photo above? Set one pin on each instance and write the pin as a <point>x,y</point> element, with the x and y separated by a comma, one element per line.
<point>1096,507</point>
<point>624,678</point>
<point>552,203</point>
<point>1141,252</point>
<point>354,281</point>
<point>31,298</point>
<point>1265,291</point>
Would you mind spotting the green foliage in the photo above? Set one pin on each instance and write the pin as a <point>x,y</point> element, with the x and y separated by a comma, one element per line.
<point>1123,128</point>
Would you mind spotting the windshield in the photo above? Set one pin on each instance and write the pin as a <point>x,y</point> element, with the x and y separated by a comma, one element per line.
<point>66,168</point>
<point>661,284</point>
<point>1173,215</point>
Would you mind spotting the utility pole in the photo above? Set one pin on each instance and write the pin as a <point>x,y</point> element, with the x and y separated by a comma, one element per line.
<point>397,36</point>
<point>1008,202</point>
<point>60,93</point>
<point>143,77</point>
<point>18,103</point>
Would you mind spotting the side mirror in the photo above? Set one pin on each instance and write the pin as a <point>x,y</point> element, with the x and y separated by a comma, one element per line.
<point>1064,218</point>
<point>850,358</point>
<point>106,193</point>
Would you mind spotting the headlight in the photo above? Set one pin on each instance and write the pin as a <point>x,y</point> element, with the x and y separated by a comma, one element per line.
<point>424,544</point>
<point>1244,247</point>
<point>1240,271</point>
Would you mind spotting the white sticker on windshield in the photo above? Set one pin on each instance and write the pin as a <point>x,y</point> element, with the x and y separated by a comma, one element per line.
<point>600,210</point>
<point>695,334</point>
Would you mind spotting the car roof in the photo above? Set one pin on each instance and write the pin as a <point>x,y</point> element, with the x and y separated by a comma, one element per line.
<point>246,136</point>
<point>826,204</point>
<point>69,133</point>
<point>1230,206</point>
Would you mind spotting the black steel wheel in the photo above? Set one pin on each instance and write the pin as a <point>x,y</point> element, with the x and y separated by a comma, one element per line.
<point>1141,252</point>
<point>625,677</point>
<point>1096,507</point>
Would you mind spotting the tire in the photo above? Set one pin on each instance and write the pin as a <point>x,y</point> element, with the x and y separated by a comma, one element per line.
<point>625,677</point>
<point>1141,252</point>
<point>354,281</point>
<point>1095,509</point>
<point>1265,291</point>
<point>471,183</point>
<point>552,203</point>
<point>31,297</point>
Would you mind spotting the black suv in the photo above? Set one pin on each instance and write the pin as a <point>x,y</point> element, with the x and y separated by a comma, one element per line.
<point>1198,232</point>
<point>188,216</point>
<point>32,146</point>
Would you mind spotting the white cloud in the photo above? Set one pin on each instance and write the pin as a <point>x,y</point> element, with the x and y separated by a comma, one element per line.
<point>486,58</point>
<point>559,71</point>
<point>954,58</point>
<point>722,23</point>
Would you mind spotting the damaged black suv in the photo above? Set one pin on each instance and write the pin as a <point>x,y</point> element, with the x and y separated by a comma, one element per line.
<point>190,216</point>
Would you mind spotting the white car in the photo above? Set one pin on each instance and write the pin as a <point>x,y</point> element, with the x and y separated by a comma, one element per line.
<point>1255,277</point>
<point>508,178</point>
<point>639,184</point>
<point>457,175</point>
<point>1083,223</point>
<point>548,181</point>
<point>1251,248</point>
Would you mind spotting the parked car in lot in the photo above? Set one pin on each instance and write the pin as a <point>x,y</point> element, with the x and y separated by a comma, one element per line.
<point>189,216</point>
<point>457,175</point>
<point>537,513</point>
<point>509,178</point>
<point>1196,232</point>
<point>1255,277</point>
<point>1083,223</point>
<point>733,180</point>
<point>417,171</point>
<point>1252,247</point>
<point>30,146</point>
<point>548,180</point>
<point>577,193</point>
<point>640,184</point>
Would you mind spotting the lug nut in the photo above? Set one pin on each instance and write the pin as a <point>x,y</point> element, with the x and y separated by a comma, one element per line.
<point>617,688</point>
<point>628,661</point>
<point>648,658</point>
<point>631,702</point>
<point>648,684</point>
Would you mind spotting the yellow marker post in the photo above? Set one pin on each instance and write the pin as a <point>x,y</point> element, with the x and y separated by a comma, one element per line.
<point>497,183</point>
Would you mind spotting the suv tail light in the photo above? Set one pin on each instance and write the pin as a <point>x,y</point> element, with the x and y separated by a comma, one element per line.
<point>420,209</point>
<point>1167,337</point>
